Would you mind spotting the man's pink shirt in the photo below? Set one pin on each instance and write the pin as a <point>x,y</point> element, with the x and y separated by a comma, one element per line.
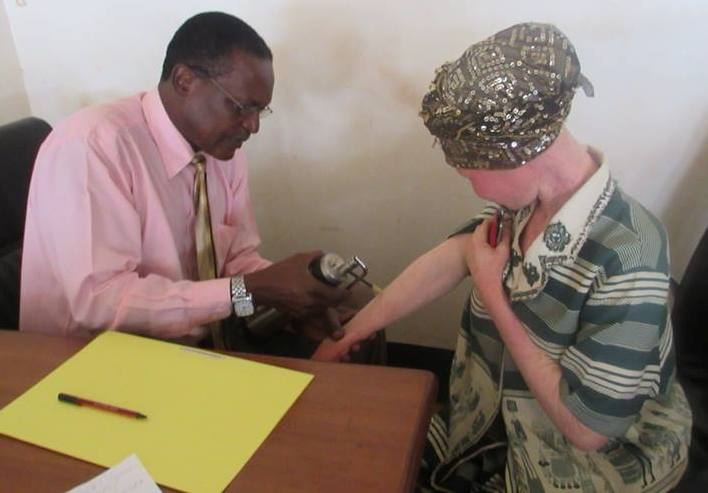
<point>109,237</point>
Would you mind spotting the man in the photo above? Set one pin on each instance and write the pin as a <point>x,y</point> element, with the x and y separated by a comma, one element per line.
<point>120,234</point>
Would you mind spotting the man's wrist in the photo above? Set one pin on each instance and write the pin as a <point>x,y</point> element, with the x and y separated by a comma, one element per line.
<point>254,285</point>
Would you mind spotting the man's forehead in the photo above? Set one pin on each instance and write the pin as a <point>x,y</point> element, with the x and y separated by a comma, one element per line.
<point>249,74</point>
<point>246,66</point>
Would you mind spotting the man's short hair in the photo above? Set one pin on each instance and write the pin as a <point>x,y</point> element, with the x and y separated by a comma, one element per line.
<point>206,39</point>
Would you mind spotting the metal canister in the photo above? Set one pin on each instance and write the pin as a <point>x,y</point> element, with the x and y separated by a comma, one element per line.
<point>330,268</point>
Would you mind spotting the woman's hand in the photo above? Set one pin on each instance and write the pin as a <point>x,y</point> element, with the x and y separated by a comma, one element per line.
<point>487,263</point>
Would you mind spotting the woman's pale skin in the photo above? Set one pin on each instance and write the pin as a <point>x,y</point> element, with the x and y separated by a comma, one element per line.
<point>549,180</point>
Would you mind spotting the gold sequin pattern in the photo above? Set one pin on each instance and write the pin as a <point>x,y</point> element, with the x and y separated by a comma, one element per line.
<point>504,101</point>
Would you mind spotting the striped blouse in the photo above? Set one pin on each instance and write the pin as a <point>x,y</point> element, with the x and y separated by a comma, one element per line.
<point>592,293</point>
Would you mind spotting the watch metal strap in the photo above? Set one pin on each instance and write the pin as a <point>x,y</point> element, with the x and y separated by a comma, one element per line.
<point>240,296</point>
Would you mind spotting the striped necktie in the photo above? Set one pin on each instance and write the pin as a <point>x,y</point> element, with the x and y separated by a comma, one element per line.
<point>206,259</point>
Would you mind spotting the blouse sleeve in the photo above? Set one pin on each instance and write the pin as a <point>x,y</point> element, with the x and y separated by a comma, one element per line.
<point>623,353</point>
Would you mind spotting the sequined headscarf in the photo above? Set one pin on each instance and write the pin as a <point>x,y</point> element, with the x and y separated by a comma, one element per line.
<point>504,101</point>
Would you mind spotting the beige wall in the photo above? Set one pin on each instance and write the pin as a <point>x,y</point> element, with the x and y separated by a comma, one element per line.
<point>13,98</point>
<point>345,164</point>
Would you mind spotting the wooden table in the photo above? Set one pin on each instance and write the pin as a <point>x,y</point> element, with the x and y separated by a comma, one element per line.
<point>354,429</point>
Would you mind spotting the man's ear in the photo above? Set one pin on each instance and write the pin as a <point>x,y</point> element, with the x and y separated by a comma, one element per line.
<point>182,79</point>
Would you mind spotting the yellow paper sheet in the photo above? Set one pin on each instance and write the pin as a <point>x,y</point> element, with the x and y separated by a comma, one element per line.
<point>207,413</point>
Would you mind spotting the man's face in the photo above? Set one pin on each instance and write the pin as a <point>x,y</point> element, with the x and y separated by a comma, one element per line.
<point>215,123</point>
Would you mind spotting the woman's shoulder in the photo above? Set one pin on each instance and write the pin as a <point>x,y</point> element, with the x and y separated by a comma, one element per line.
<point>471,224</point>
<point>627,238</point>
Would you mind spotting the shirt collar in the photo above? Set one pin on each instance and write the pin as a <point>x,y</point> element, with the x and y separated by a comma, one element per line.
<point>563,237</point>
<point>174,149</point>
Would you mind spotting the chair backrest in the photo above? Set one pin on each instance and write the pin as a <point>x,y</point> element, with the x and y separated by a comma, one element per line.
<point>19,143</point>
<point>690,318</point>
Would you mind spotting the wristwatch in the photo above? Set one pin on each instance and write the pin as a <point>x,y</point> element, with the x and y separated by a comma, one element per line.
<point>241,299</point>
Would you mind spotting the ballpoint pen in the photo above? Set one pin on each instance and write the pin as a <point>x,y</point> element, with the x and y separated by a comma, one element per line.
<point>81,401</point>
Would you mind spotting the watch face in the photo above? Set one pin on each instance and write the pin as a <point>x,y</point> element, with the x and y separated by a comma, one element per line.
<point>243,306</point>
<point>240,298</point>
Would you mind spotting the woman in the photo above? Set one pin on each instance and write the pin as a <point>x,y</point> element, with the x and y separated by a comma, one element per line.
<point>563,372</point>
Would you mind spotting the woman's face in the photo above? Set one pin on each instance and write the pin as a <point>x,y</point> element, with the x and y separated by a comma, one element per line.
<point>514,188</point>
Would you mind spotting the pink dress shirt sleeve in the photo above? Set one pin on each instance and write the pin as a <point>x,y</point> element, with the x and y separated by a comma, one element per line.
<point>242,256</point>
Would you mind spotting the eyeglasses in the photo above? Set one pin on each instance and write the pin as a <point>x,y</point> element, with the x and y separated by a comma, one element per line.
<point>240,109</point>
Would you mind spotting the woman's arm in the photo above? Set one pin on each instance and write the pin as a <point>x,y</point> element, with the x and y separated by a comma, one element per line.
<point>430,276</point>
<point>540,372</point>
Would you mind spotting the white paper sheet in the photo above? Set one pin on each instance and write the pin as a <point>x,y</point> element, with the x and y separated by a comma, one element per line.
<point>130,476</point>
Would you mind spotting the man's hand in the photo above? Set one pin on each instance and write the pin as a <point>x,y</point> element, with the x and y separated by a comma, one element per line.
<point>486,263</point>
<point>289,287</point>
<point>334,351</point>
<point>323,325</point>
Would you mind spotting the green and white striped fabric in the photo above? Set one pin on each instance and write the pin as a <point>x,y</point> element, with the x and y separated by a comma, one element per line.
<point>592,293</point>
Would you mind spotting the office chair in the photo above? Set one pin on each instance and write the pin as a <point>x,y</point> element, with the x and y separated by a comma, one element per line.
<point>19,143</point>
<point>690,316</point>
